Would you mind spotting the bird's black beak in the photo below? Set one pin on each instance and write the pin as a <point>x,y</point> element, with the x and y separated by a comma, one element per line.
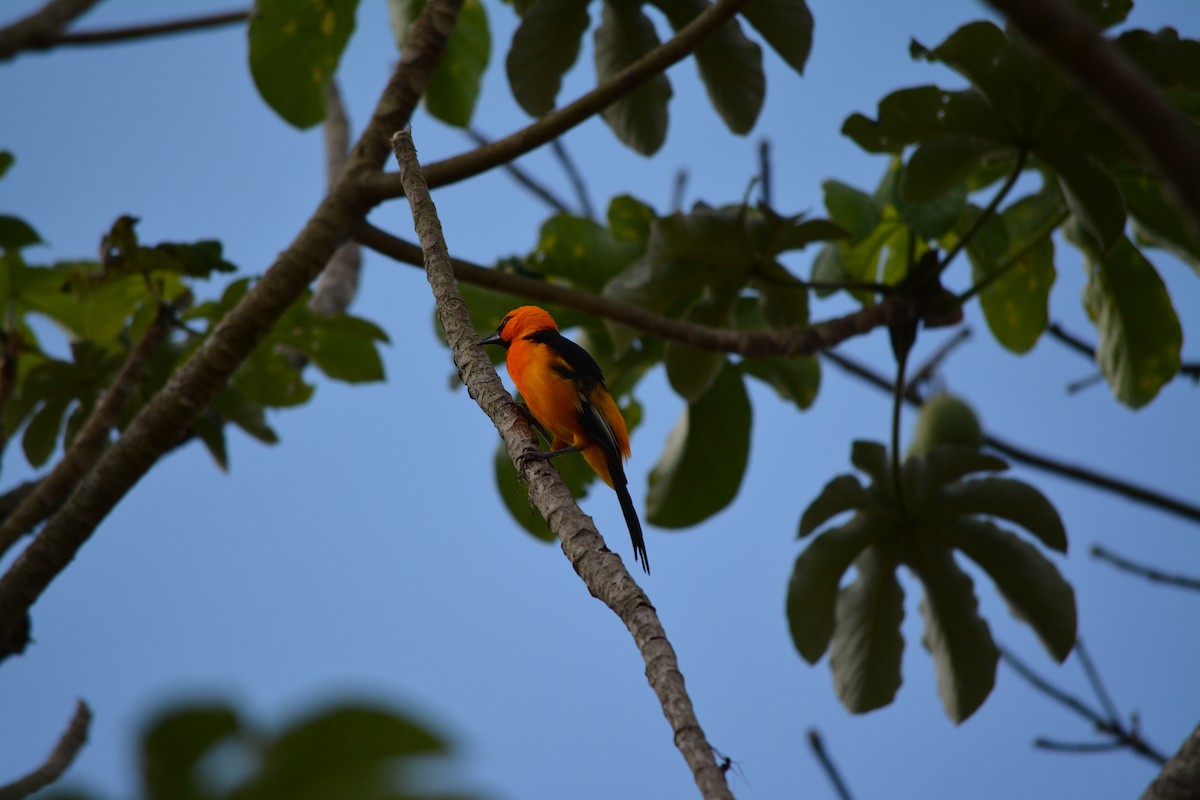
<point>494,338</point>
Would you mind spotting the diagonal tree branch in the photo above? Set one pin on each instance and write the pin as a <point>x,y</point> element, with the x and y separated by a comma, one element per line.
<point>148,30</point>
<point>40,28</point>
<point>1158,131</point>
<point>1178,779</point>
<point>61,757</point>
<point>1149,573</point>
<point>561,120</point>
<point>602,571</point>
<point>194,385</point>
<point>54,489</point>
<point>523,178</point>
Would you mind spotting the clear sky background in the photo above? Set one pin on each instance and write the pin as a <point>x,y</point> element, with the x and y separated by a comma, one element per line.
<point>369,554</point>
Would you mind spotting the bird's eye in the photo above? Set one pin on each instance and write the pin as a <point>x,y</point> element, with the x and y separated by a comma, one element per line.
<point>503,322</point>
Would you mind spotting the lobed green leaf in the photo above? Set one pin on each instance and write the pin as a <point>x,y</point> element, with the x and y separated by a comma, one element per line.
<point>866,646</point>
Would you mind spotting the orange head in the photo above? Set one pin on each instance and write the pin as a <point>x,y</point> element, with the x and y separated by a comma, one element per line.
<point>521,322</point>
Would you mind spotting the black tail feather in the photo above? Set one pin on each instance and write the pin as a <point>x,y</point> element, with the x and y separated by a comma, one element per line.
<point>631,519</point>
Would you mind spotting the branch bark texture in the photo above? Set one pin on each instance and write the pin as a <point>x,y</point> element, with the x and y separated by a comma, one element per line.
<point>61,757</point>
<point>194,385</point>
<point>601,570</point>
<point>1180,778</point>
<point>41,28</point>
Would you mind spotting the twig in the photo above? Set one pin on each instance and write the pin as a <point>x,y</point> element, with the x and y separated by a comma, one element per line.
<point>818,747</point>
<point>574,176</point>
<point>987,212</point>
<point>1079,474</point>
<point>42,27</point>
<point>764,170</point>
<point>1093,676</point>
<point>1177,780</point>
<point>1149,573</point>
<point>1165,138</point>
<point>149,30</point>
<point>1121,735</point>
<point>61,757</point>
<point>158,426</point>
<point>752,344</point>
<point>927,369</point>
<point>525,179</point>
<point>602,571</point>
<point>91,440</point>
<point>557,122</point>
<point>679,189</point>
<point>1043,743</point>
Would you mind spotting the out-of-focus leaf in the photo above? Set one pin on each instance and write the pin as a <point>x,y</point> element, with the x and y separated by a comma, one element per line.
<point>543,48</point>
<point>16,233</point>
<point>1173,62</point>
<point>940,165</point>
<point>924,475</point>
<point>786,25</point>
<point>1030,584</point>
<point>639,119</point>
<point>813,589</point>
<point>6,161</point>
<point>796,379</point>
<point>574,471</point>
<point>41,435</point>
<point>454,87</point>
<point>852,209</point>
<point>872,458</point>
<point>294,51</point>
<point>925,113</point>
<point>730,65</point>
<point>866,647</point>
<point>1106,13</point>
<point>691,370</point>
<point>1140,337</point>
<point>704,459</point>
<point>843,493</point>
<point>172,746</point>
<point>582,251</point>
<point>1156,221</point>
<point>1008,499</point>
<point>964,654</point>
<point>1092,196</point>
<point>630,219</point>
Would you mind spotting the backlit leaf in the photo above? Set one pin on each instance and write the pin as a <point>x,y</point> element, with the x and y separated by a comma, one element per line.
<point>544,46</point>
<point>639,119</point>
<point>786,25</point>
<point>866,647</point>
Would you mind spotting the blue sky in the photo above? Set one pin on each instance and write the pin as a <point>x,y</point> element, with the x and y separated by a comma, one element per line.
<point>368,554</point>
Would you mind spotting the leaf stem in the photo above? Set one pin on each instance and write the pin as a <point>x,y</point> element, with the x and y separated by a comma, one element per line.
<point>986,214</point>
<point>1013,259</point>
<point>897,404</point>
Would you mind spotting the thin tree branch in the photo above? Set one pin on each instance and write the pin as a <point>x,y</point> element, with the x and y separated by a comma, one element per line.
<point>61,757</point>
<point>197,382</point>
<point>927,370</point>
<point>1076,747</point>
<point>150,30</point>
<point>1093,676</point>
<point>1177,781</point>
<point>1079,474</point>
<point>1163,136</point>
<point>574,176</point>
<point>525,179</point>
<point>40,28</point>
<point>752,344</point>
<point>91,440</point>
<point>1123,736</point>
<point>1149,573</point>
<point>679,189</point>
<point>602,571</point>
<point>816,744</point>
<point>561,120</point>
<point>338,283</point>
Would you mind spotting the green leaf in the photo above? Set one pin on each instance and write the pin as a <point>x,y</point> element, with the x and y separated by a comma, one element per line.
<point>268,378</point>
<point>1140,337</point>
<point>211,432</point>
<point>925,474</point>
<point>1092,195</point>
<point>852,209</point>
<point>1029,583</point>
<point>582,251</point>
<point>7,159</point>
<point>454,87</point>
<point>174,744</point>
<point>930,219</point>
<point>1017,304</point>
<point>625,34</point>
<point>782,298</point>
<point>630,219</point>
<point>730,65</point>
<point>543,48</point>
<point>872,458</point>
<point>41,436</point>
<point>691,370</point>
<point>294,51</point>
<point>574,471</point>
<point>1172,62</point>
<point>16,234</point>
<point>843,493</point>
<point>786,25</point>
<point>702,464</point>
<point>796,379</point>
<point>344,354</point>
<point>866,647</point>
<point>813,589</point>
<point>940,165</point>
<point>1156,221</point>
<point>959,640</point>
<point>1105,13</point>
<point>926,113</point>
<point>1008,499</point>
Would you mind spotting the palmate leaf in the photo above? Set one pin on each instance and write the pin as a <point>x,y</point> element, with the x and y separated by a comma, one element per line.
<point>1008,499</point>
<point>1029,583</point>
<point>964,654</point>
<point>843,493</point>
<point>544,46</point>
<point>813,590</point>
<point>639,119</point>
<point>866,646</point>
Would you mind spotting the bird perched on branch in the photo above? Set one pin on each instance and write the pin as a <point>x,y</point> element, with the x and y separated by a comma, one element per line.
<point>564,389</point>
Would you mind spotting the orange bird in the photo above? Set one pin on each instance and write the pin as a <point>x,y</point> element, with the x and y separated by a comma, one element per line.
<point>564,388</point>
